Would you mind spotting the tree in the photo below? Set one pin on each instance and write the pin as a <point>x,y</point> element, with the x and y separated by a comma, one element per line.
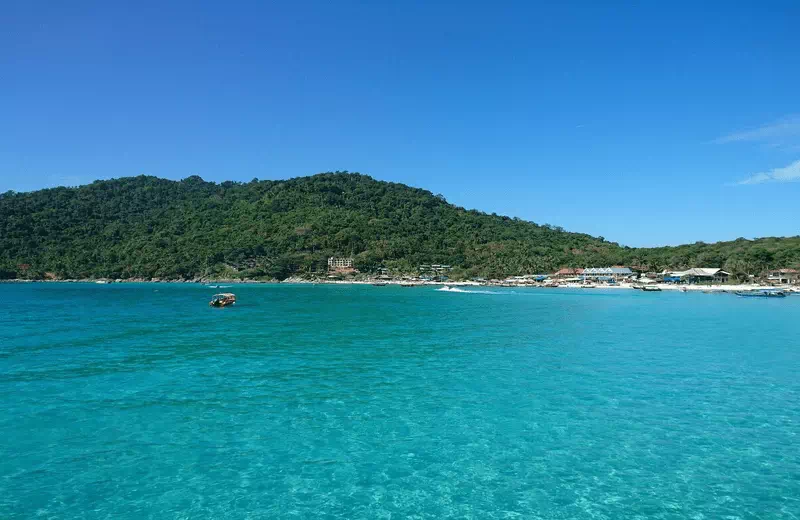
<point>145,227</point>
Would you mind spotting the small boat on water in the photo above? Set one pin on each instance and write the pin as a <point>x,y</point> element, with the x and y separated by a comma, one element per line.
<point>222,300</point>
<point>651,288</point>
<point>406,284</point>
<point>379,284</point>
<point>762,293</point>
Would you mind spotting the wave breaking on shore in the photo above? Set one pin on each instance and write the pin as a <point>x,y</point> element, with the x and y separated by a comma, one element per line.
<point>467,291</point>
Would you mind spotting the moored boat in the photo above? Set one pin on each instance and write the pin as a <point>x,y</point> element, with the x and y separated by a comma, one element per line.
<point>651,288</point>
<point>762,293</point>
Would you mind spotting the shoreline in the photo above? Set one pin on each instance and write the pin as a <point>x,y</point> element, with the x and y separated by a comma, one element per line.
<point>406,283</point>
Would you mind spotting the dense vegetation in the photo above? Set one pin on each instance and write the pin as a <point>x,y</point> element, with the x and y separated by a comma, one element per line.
<point>146,227</point>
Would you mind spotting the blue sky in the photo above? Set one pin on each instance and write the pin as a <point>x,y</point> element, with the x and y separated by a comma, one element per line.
<point>654,123</point>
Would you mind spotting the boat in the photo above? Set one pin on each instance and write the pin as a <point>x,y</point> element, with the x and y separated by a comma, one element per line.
<point>379,284</point>
<point>408,284</point>
<point>651,288</point>
<point>762,293</point>
<point>222,300</point>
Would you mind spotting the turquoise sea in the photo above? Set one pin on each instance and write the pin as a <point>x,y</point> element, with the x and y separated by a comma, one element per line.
<point>138,401</point>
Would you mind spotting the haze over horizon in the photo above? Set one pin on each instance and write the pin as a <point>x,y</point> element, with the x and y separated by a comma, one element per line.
<point>650,125</point>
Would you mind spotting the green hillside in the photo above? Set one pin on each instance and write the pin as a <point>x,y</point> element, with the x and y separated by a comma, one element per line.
<point>145,227</point>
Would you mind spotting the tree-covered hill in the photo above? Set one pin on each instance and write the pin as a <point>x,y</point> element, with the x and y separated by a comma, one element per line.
<point>740,257</point>
<point>145,227</point>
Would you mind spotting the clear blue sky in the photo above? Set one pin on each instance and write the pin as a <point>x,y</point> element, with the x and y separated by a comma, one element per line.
<point>635,123</point>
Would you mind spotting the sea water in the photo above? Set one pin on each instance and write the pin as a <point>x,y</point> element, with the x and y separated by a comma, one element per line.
<point>131,401</point>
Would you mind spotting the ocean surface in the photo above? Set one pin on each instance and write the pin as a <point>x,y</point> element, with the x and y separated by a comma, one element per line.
<point>138,401</point>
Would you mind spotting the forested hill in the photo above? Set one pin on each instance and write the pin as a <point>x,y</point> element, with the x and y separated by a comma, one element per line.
<point>146,227</point>
<point>151,227</point>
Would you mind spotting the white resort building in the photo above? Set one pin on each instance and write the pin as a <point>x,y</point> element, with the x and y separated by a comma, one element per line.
<point>607,273</point>
<point>338,261</point>
<point>341,265</point>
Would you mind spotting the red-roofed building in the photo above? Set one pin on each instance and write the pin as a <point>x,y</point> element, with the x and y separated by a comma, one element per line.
<point>784,276</point>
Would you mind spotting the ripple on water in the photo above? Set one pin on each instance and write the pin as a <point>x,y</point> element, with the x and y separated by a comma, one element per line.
<point>361,402</point>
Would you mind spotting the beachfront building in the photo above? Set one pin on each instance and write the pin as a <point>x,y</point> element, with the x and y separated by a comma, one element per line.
<point>784,276</point>
<point>705,275</point>
<point>607,274</point>
<point>434,272</point>
<point>435,268</point>
<point>566,273</point>
<point>339,261</point>
<point>342,265</point>
<point>526,279</point>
